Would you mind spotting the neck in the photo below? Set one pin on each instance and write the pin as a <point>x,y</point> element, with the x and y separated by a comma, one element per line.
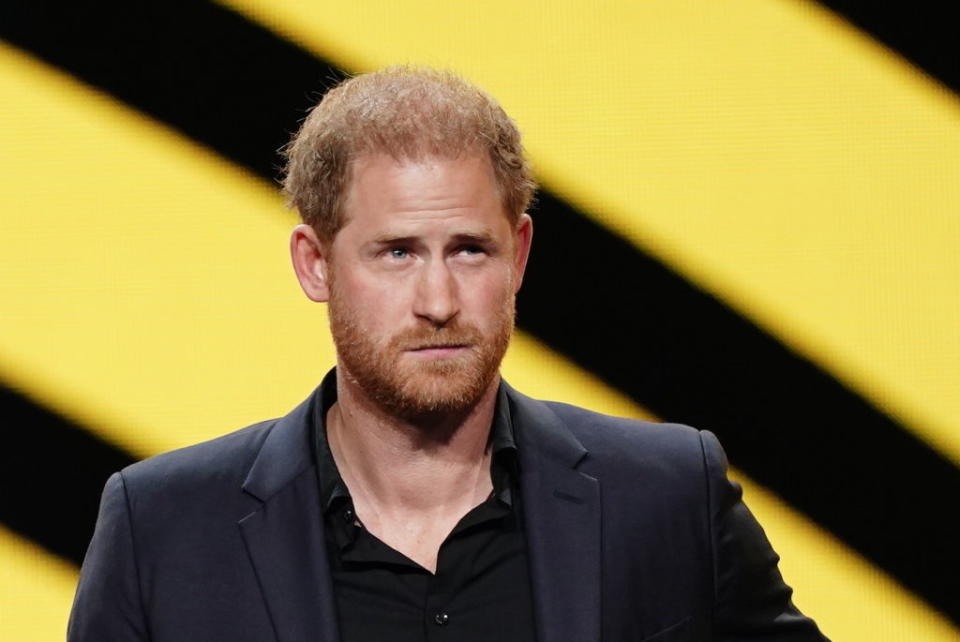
<point>429,464</point>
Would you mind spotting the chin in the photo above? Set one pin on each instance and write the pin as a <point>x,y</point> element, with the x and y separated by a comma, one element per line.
<point>440,388</point>
<point>442,393</point>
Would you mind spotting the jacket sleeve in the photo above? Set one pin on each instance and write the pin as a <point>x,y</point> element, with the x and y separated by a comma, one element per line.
<point>751,600</point>
<point>107,606</point>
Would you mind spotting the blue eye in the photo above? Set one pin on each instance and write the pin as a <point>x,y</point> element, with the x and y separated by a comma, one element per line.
<point>399,253</point>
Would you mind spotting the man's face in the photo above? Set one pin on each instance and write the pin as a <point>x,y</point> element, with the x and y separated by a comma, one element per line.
<point>422,279</point>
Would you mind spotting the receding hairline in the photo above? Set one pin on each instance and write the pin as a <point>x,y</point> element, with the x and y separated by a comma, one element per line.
<point>478,155</point>
<point>410,114</point>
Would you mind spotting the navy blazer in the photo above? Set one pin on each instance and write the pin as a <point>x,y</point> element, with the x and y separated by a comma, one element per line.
<point>633,533</point>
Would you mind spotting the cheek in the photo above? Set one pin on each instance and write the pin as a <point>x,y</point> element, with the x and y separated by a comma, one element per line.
<point>378,301</point>
<point>363,284</point>
<point>491,295</point>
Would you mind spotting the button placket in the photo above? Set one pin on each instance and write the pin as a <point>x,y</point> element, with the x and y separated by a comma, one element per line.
<point>437,604</point>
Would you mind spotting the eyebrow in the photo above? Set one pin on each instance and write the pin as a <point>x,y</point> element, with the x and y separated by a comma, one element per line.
<point>480,238</point>
<point>392,239</point>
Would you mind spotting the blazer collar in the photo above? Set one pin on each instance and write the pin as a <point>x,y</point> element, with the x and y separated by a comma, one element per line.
<point>284,536</point>
<point>561,506</point>
<point>537,428</point>
<point>287,450</point>
<point>562,519</point>
<point>285,453</point>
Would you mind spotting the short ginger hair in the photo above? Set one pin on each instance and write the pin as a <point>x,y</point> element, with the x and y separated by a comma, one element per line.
<point>410,113</point>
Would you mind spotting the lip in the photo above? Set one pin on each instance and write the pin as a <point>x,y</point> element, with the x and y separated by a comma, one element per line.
<point>439,351</point>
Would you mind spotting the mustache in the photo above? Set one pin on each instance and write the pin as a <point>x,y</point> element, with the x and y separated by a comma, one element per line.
<point>420,338</point>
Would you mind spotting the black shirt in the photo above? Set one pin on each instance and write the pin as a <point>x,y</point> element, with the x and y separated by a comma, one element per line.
<point>481,590</point>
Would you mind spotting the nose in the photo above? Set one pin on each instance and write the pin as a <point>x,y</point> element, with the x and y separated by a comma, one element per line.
<point>436,299</point>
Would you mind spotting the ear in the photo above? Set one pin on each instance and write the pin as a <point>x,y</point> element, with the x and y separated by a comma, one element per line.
<point>309,258</point>
<point>523,236</point>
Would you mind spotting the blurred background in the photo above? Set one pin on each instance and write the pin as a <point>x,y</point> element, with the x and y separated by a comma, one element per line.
<point>749,222</point>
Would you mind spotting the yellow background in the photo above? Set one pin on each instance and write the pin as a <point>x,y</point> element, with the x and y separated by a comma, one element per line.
<point>766,150</point>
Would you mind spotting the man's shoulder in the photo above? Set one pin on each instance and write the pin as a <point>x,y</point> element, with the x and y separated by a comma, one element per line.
<point>232,458</point>
<point>628,455</point>
<point>224,459</point>
<point>599,431</point>
<point>626,444</point>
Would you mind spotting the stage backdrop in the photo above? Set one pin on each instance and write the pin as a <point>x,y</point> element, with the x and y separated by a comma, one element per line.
<point>749,222</point>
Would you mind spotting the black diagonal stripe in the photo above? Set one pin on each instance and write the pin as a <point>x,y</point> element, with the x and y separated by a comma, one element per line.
<point>51,475</point>
<point>788,424</point>
<point>922,31</point>
<point>194,65</point>
<point>589,294</point>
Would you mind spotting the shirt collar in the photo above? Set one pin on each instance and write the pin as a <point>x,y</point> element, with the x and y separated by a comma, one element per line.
<point>332,488</point>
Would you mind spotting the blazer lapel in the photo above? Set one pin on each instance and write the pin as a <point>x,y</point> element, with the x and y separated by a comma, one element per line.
<point>284,537</point>
<point>562,518</point>
<point>285,540</point>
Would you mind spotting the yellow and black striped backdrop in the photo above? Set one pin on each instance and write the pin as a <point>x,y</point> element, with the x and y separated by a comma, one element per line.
<point>750,222</point>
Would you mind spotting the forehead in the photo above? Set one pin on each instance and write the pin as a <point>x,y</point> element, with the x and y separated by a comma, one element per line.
<point>384,192</point>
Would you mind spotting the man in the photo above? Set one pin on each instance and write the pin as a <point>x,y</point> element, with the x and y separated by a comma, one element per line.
<point>415,495</point>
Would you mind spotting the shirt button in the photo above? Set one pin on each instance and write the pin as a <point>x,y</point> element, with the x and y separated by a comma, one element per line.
<point>441,618</point>
<point>348,515</point>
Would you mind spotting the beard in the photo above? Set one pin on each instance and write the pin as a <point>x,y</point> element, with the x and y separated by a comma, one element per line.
<point>417,389</point>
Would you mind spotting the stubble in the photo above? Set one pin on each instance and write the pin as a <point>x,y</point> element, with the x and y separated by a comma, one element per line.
<point>414,388</point>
